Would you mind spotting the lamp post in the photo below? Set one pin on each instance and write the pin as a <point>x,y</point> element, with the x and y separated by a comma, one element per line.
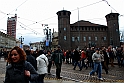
<point>47,32</point>
<point>21,39</point>
<point>50,38</point>
<point>47,37</point>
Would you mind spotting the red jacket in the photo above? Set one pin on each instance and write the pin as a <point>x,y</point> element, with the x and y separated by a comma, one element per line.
<point>83,54</point>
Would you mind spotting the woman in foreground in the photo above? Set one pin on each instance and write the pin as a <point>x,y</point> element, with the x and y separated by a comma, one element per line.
<point>19,70</point>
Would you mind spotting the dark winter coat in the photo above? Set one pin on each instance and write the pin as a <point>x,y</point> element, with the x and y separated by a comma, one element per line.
<point>76,55</point>
<point>58,56</point>
<point>15,73</point>
<point>32,60</point>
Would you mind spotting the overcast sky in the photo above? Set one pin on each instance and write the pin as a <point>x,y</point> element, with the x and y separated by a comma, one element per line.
<point>33,13</point>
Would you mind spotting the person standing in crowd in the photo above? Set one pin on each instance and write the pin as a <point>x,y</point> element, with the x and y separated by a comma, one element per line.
<point>106,60</point>
<point>1,53</point>
<point>111,55</point>
<point>5,54</point>
<point>19,70</point>
<point>42,63</point>
<point>90,57</point>
<point>67,56</point>
<point>49,56</point>
<point>58,58</point>
<point>34,53</point>
<point>97,58</point>
<point>103,61</point>
<point>31,59</point>
<point>88,53</point>
<point>119,56</point>
<point>77,59</point>
<point>72,56</point>
<point>123,58</point>
<point>83,57</point>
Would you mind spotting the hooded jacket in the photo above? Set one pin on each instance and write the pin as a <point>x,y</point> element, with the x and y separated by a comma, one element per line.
<point>42,63</point>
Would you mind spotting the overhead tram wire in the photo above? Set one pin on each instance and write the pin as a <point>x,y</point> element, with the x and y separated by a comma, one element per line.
<point>6,14</point>
<point>35,22</point>
<point>91,5</point>
<point>29,28</point>
<point>87,5</point>
<point>18,6</point>
<point>35,32</point>
<point>109,5</point>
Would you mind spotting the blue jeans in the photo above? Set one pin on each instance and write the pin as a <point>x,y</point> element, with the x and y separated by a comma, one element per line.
<point>119,60</point>
<point>77,63</point>
<point>97,67</point>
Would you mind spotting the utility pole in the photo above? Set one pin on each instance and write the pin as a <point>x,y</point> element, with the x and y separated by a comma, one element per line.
<point>50,38</point>
<point>21,39</point>
<point>79,30</point>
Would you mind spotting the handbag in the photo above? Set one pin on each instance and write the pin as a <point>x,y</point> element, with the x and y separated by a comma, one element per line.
<point>86,60</point>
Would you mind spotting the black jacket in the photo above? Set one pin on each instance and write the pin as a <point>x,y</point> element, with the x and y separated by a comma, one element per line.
<point>32,60</point>
<point>76,55</point>
<point>15,73</point>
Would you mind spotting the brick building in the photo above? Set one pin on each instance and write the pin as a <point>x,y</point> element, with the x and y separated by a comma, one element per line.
<point>86,34</point>
<point>11,26</point>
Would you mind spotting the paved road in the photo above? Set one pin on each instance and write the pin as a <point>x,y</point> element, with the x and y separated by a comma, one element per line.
<point>115,74</point>
<point>69,75</point>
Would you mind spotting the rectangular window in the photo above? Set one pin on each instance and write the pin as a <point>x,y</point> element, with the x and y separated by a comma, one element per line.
<point>84,39</point>
<point>78,38</point>
<point>96,39</point>
<point>104,38</point>
<point>72,38</point>
<point>64,37</point>
<point>89,38</point>
<point>64,29</point>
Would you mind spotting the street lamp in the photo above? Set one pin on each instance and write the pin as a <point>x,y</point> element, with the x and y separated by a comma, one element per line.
<point>46,32</point>
<point>21,39</point>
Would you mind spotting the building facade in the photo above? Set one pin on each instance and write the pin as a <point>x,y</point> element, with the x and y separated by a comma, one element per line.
<point>83,34</point>
<point>7,42</point>
<point>54,40</point>
<point>37,45</point>
<point>11,26</point>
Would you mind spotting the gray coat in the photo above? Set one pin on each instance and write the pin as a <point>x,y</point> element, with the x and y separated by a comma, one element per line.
<point>96,57</point>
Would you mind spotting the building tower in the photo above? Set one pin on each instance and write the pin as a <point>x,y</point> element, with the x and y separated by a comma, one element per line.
<point>113,29</point>
<point>11,26</point>
<point>64,29</point>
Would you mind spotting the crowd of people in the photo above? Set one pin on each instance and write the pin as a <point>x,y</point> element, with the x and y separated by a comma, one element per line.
<point>28,65</point>
<point>95,58</point>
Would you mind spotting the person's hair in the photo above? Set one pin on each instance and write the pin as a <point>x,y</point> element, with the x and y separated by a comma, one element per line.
<point>28,52</point>
<point>40,52</point>
<point>21,53</point>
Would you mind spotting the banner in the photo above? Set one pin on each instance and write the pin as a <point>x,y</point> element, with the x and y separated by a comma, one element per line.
<point>47,42</point>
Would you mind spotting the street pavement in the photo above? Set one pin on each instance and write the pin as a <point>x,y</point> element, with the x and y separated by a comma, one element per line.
<point>115,75</point>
